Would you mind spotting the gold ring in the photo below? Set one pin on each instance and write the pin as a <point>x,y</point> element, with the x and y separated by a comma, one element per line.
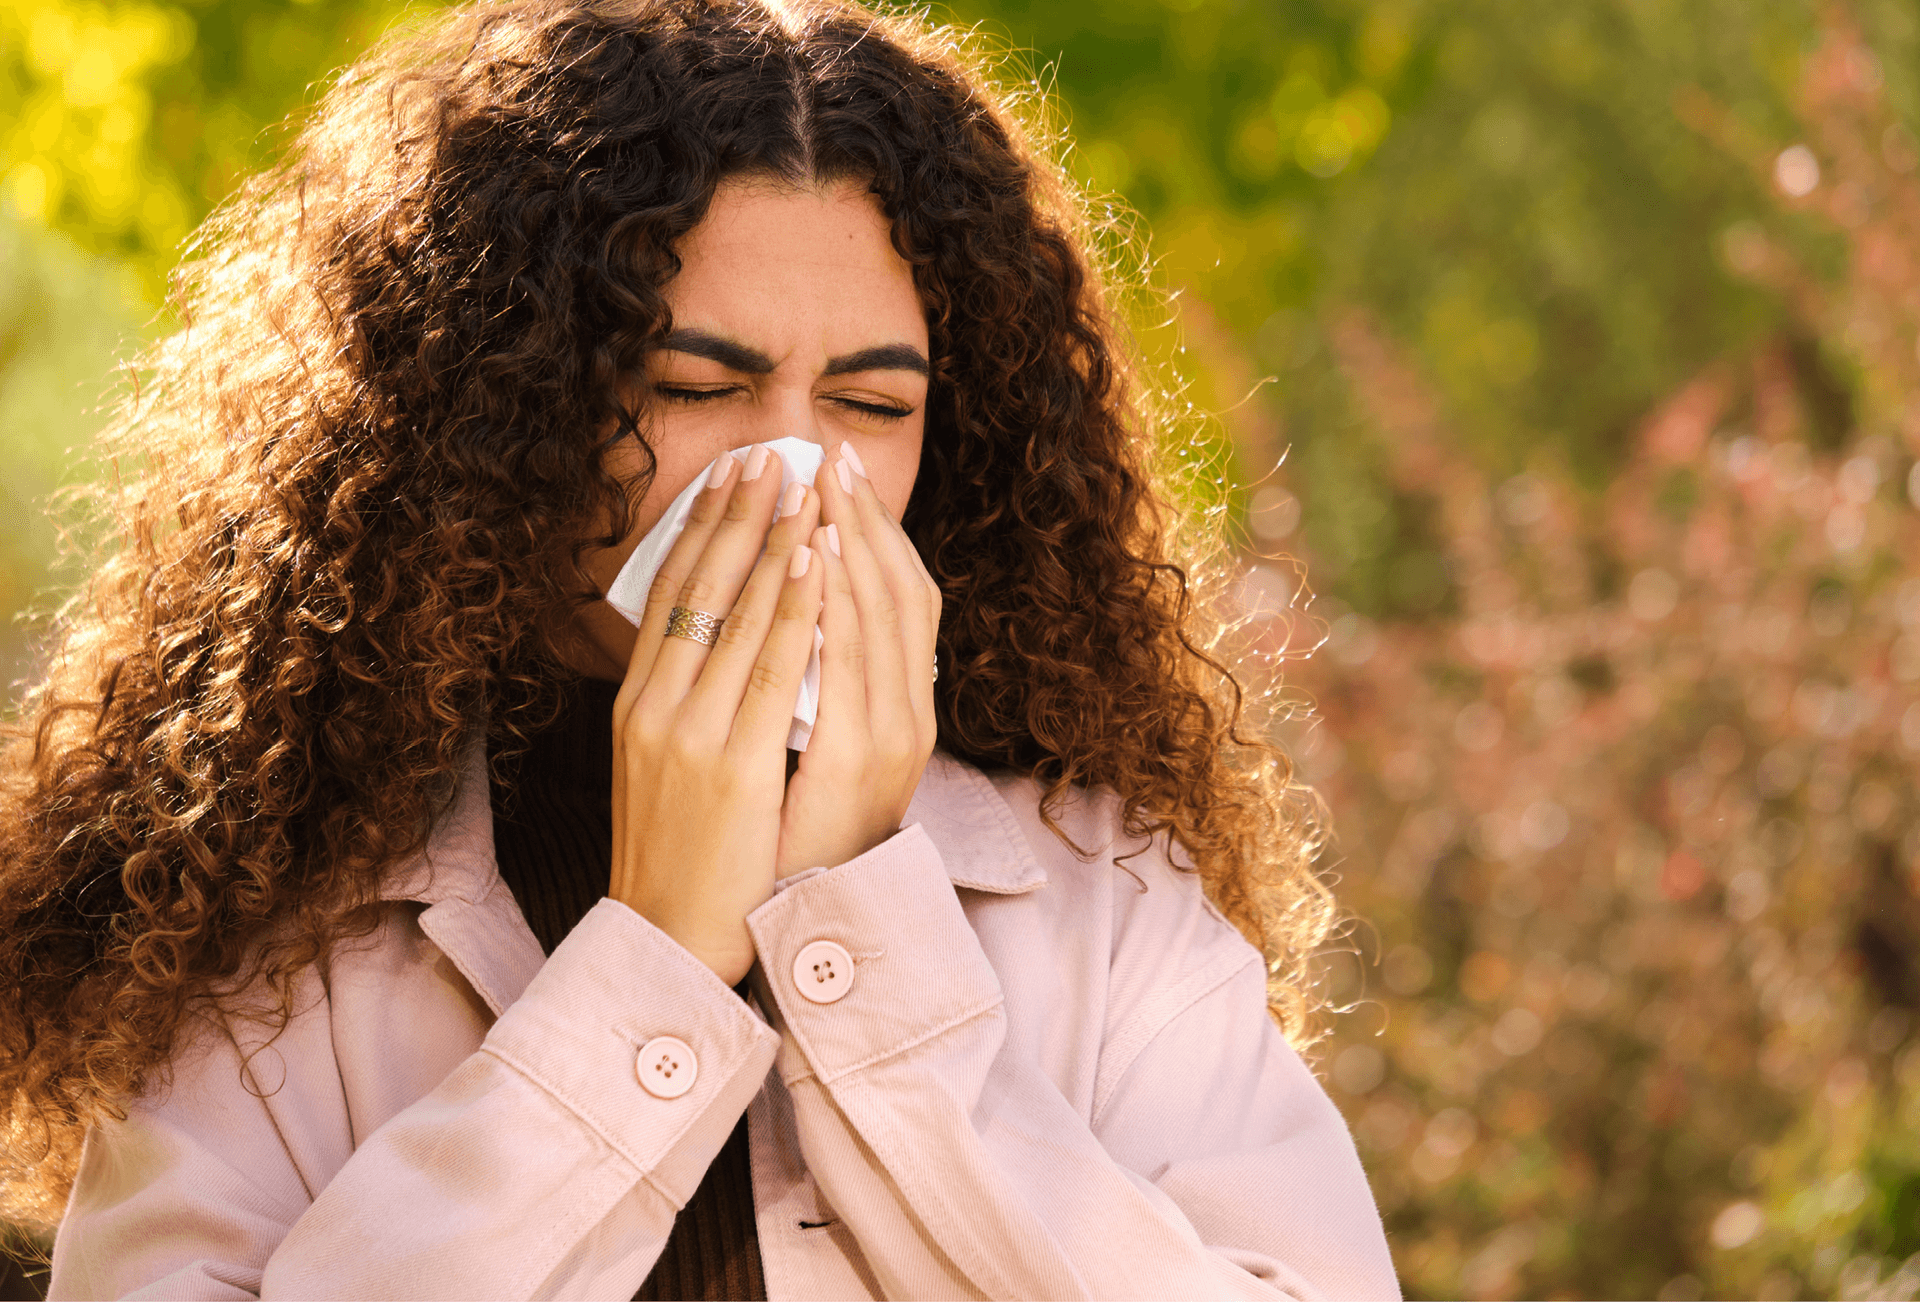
<point>694,625</point>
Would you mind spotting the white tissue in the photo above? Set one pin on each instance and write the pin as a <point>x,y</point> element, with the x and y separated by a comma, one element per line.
<point>799,463</point>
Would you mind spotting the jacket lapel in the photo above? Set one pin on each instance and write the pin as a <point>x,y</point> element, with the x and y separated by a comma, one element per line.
<point>471,915</point>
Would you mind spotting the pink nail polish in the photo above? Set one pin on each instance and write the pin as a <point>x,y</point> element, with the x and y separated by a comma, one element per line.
<point>846,479</point>
<point>718,474</point>
<point>802,558</point>
<point>833,538</point>
<point>791,499</point>
<point>756,462</point>
<point>852,458</point>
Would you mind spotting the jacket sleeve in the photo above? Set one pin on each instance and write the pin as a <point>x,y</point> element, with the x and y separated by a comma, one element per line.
<point>538,1168</point>
<point>1213,1166</point>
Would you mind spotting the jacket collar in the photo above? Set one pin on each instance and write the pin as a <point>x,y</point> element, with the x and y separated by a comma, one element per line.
<point>458,862</point>
<point>964,814</point>
<point>972,826</point>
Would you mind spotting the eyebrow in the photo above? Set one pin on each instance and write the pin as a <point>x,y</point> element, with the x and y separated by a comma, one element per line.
<point>751,361</point>
<point>886,357</point>
<point>715,348</point>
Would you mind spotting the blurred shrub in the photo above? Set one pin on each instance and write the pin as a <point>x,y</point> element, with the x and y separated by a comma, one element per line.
<point>1632,826</point>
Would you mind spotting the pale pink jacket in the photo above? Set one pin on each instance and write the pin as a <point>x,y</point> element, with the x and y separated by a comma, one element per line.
<point>1048,1080</point>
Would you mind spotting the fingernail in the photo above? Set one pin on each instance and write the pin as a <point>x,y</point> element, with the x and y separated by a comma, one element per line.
<point>756,461</point>
<point>802,557</point>
<point>846,479</point>
<point>718,474</point>
<point>833,538</point>
<point>791,499</point>
<point>852,458</point>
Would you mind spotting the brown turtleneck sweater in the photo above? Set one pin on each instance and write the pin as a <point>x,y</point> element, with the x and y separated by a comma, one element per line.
<point>553,836</point>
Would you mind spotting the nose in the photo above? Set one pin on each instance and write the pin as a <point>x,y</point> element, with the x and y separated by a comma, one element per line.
<point>787,413</point>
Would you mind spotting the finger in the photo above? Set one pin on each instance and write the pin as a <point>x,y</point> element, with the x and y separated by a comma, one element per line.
<point>915,594</point>
<point>708,506</point>
<point>892,622</point>
<point>766,708</point>
<point>730,666</point>
<point>902,715</point>
<point>714,582</point>
<point>843,717</point>
<point>913,587</point>
<point>880,622</point>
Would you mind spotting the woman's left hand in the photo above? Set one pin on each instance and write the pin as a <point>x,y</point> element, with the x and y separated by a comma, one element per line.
<point>875,726</point>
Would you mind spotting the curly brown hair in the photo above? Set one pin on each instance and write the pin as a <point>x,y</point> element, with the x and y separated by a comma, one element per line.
<point>359,481</point>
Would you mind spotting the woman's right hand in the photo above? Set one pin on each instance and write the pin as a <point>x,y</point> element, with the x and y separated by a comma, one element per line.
<point>699,733</point>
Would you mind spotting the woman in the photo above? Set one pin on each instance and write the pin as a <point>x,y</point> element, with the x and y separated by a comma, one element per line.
<point>392,918</point>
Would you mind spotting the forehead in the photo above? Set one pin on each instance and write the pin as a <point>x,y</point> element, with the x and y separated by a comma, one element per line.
<point>786,267</point>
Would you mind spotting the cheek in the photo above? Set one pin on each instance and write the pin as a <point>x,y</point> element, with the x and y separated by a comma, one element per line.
<point>676,462</point>
<point>682,450</point>
<point>893,463</point>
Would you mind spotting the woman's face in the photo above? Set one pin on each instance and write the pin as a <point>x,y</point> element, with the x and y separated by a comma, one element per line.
<point>793,317</point>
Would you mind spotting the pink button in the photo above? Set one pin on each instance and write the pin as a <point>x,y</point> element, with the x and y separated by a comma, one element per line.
<point>667,1067</point>
<point>823,971</point>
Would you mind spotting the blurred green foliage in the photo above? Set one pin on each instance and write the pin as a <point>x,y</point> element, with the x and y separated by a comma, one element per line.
<point>64,319</point>
<point>125,121</point>
<point>1509,191</point>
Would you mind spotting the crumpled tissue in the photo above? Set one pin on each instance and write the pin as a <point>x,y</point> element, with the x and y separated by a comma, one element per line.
<point>800,461</point>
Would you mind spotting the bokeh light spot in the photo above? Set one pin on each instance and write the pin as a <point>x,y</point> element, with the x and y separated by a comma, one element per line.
<point>1737,1224</point>
<point>1796,171</point>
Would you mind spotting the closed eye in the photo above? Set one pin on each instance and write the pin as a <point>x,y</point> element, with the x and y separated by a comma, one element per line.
<point>880,410</point>
<point>674,393</point>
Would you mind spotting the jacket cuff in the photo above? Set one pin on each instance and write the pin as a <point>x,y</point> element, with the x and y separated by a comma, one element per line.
<point>614,984</point>
<point>918,969</point>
